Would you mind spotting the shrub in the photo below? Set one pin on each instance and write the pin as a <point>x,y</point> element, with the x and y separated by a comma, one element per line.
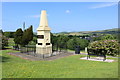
<point>111,46</point>
<point>3,40</point>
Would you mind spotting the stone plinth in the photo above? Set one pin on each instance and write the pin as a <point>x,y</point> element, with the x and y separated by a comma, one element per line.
<point>45,51</point>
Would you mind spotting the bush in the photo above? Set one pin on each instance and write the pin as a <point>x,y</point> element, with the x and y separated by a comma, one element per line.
<point>3,40</point>
<point>111,46</point>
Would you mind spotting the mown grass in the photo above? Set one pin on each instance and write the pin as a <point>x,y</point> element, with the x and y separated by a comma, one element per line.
<point>68,67</point>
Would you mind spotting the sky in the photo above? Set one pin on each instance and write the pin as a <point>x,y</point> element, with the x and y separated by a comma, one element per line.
<point>62,16</point>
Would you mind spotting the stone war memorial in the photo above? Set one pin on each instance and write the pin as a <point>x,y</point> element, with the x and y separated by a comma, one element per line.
<point>42,40</point>
<point>43,46</point>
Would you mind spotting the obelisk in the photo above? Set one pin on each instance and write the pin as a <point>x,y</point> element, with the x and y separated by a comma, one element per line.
<point>43,46</point>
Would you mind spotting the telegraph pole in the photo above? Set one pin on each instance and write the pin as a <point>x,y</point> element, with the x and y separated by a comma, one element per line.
<point>23,26</point>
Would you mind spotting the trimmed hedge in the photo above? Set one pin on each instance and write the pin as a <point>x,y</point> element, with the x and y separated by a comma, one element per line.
<point>112,46</point>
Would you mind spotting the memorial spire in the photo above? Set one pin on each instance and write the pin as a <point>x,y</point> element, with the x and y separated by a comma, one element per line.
<point>43,21</point>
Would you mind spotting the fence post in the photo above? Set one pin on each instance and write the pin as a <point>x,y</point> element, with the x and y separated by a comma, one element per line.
<point>27,48</point>
<point>85,49</point>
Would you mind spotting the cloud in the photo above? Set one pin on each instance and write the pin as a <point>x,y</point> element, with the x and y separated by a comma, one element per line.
<point>104,5</point>
<point>35,16</point>
<point>67,11</point>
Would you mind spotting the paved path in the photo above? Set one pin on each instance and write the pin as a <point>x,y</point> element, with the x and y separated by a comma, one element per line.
<point>33,58</point>
<point>97,59</point>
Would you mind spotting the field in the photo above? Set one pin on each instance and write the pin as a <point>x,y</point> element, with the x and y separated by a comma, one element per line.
<point>68,67</point>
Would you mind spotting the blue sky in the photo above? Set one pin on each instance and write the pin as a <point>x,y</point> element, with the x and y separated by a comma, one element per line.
<point>62,16</point>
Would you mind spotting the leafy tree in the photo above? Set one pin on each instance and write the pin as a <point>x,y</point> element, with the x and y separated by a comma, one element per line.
<point>54,41</point>
<point>96,38</point>
<point>62,42</point>
<point>116,36</point>
<point>18,36</point>
<point>72,43</point>
<point>108,37</point>
<point>77,41</point>
<point>66,42</point>
<point>9,34</point>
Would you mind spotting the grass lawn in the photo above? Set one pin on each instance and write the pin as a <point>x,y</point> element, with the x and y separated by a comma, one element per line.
<point>68,67</point>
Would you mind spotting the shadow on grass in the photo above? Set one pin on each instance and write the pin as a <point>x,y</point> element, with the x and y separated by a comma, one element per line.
<point>6,48</point>
<point>4,59</point>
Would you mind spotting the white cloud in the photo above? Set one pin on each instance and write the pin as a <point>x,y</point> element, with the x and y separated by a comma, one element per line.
<point>35,16</point>
<point>104,5</point>
<point>67,11</point>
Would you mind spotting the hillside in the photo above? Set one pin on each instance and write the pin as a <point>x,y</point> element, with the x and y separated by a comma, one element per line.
<point>108,31</point>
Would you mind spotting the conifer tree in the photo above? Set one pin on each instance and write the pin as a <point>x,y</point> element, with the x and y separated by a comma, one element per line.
<point>30,33</point>
<point>18,36</point>
<point>27,36</point>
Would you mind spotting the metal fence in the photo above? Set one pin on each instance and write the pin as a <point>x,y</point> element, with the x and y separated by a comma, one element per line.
<point>29,49</point>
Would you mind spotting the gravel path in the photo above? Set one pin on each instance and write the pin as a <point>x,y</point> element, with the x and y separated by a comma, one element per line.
<point>33,58</point>
<point>97,59</point>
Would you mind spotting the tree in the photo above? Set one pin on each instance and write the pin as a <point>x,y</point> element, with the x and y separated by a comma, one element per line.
<point>3,40</point>
<point>96,38</point>
<point>54,41</point>
<point>62,41</point>
<point>18,36</point>
<point>108,37</point>
<point>33,42</point>
<point>27,36</point>
<point>9,34</point>
<point>77,42</point>
<point>30,33</point>
<point>72,43</point>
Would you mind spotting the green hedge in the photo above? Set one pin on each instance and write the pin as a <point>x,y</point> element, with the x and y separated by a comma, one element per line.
<point>112,46</point>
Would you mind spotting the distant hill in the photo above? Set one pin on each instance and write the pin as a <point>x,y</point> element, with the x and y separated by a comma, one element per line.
<point>108,31</point>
